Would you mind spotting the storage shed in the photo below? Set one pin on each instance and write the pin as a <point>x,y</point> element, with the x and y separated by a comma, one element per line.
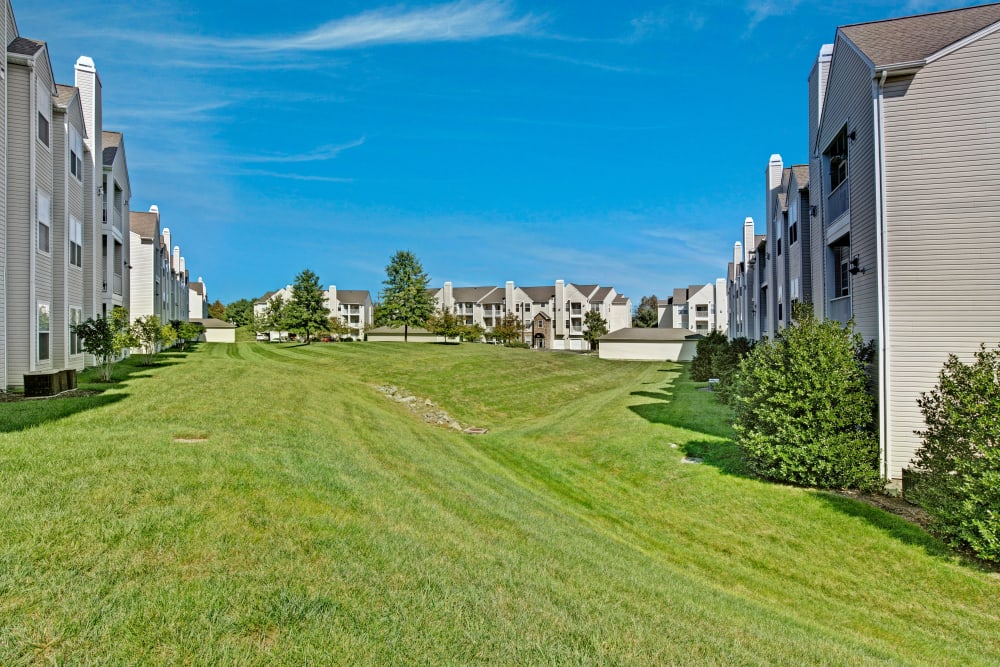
<point>636,344</point>
<point>216,331</point>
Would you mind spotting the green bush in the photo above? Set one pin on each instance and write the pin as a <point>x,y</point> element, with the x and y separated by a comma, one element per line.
<point>803,411</point>
<point>959,462</point>
<point>726,366</point>
<point>709,349</point>
<point>518,344</point>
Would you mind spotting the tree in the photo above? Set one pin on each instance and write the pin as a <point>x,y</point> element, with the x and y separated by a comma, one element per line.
<point>152,336</point>
<point>276,315</point>
<point>509,330</point>
<point>188,331</point>
<point>726,366</point>
<point>405,298</point>
<point>106,338</point>
<point>445,323</point>
<point>803,411</point>
<point>958,464</point>
<point>240,313</point>
<point>217,310</point>
<point>307,312</point>
<point>646,315</point>
<point>338,327</point>
<point>709,349</point>
<point>472,333</point>
<point>595,327</point>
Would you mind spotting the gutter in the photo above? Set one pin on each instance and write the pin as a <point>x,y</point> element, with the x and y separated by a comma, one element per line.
<point>885,446</point>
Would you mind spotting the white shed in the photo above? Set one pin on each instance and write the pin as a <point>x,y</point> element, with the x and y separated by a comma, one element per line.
<point>216,331</point>
<point>413,335</point>
<point>636,344</point>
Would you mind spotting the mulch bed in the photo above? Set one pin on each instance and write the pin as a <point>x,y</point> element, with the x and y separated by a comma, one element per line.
<point>10,397</point>
<point>892,505</point>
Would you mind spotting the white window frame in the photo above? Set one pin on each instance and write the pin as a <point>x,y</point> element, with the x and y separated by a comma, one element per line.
<point>43,313</point>
<point>75,241</point>
<point>75,343</point>
<point>75,154</point>
<point>44,103</point>
<point>44,216</point>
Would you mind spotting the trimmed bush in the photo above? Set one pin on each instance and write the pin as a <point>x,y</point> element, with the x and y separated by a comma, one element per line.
<point>727,365</point>
<point>959,461</point>
<point>709,349</point>
<point>803,411</point>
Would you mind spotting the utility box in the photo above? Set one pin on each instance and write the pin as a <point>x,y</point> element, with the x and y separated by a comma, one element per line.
<point>49,384</point>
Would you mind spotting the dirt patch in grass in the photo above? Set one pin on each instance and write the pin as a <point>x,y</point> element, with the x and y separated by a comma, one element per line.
<point>892,505</point>
<point>10,397</point>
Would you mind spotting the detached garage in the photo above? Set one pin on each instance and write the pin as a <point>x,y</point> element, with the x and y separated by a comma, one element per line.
<point>217,331</point>
<point>414,335</point>
<point>649,345</point>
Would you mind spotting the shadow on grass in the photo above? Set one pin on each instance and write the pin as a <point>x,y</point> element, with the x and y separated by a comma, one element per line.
<point>21,415</point>
<point>894,526</point>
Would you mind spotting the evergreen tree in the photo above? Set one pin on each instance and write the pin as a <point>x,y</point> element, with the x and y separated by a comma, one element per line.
<point>646,315</point>
<point>240,312</point>
<point>307,312</point>
<point>405,301</point>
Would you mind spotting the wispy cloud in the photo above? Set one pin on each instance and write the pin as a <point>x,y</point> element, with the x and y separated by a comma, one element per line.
<point>464,20</point>
<point>761,10</point>
<point>292,176</point>
<point>319,154</point>
<point>595,64</point>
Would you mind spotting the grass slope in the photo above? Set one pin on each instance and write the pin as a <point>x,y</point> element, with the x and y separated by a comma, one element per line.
<point>320,523</point>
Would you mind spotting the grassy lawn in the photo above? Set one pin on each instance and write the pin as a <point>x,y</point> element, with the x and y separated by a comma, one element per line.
<point>264,504</point>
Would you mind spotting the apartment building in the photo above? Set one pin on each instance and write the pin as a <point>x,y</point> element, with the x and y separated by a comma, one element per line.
<point>197,300</point>
<point>698,308</point>
<point>893,222</point>
<point>353,307</point>
<point>159,276</point>
<point>552,316</point>
<point>115,240</point>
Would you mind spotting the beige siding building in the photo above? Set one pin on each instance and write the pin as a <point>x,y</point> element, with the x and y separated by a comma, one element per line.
<point>697,308</point>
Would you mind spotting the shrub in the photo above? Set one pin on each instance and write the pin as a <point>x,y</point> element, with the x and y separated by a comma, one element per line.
<point>726,366</point>
<point>803,412</point>
<point>959,461</point>
<point>518,344</point>
<point>709,348</point>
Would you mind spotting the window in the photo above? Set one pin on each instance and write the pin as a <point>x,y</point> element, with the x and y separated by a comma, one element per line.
<point>75,154</point>
<point>43,331</point>
<point>779,247</point>
<point>75,342</point>
<point>43,129</point>
<point>793,233</point>
<point>837,155</point>
<point>541,325</point>
<point>842,268</point>
<point>44,221</point>
<point>75,242</point>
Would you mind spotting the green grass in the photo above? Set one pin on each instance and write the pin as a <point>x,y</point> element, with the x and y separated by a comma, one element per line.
<point>314,521</point>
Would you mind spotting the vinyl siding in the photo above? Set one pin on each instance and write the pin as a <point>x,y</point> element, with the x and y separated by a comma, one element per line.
<point>817,84</point>
<point>143,268</point>
<point>942,138</point>
<point>849,103</point>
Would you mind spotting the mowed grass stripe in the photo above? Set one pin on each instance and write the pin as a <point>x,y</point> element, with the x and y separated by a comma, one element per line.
<point>320,522</point>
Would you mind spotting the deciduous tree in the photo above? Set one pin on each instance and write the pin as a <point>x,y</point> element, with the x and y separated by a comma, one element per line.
<point>646,315</point>
<point>445,323</point>
<point>595,326</point>
<point>405,300</point>
<point>217,309</point>
<point>240,312</point>
<point>106,338</point>
<point>508,330</point>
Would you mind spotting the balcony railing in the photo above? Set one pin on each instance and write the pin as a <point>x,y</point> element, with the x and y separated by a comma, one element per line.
<point>117,284</point>
<point>838,202</point>
<point>840,309</point>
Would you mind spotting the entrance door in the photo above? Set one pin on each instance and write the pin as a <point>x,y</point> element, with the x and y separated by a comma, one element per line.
<point>539,341</point>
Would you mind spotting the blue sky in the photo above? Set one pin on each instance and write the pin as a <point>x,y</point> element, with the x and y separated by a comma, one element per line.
<point>596,142</point>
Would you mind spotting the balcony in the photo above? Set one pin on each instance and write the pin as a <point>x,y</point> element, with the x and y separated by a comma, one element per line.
<point>117,284</point>
<point>838,202</point>
<point>116,220</point>
<point>840,309</point>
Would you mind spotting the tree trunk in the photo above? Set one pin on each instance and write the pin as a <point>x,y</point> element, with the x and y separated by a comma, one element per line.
<point>406,333</point>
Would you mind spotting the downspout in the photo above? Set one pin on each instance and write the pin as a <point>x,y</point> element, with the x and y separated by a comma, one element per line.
<point>883,314</point>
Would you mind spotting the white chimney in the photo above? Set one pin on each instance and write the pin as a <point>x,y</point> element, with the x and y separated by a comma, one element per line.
<point>176,264</point>
<point>737,252</point>
<point>774,168</point>
<point>447,296</point>
<point>748,239</point>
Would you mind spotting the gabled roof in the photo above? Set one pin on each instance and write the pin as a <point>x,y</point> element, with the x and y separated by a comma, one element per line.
<point>267,297</point>
<point>539,294</point>
<point>620,300</point>
<point>111,142</point>
<point>197,288</point>
<point>585,290</point>
<point>680,295</point>
<point>64,95</point>
<point>913,38</point>
<point>471,294</point>
<point>353,296</point>
<point>801,172</point>
<point>601,294</point>
<point>212,323</point>
<point>759,239</point>
<point>144,224</point>
<point>542,315</point>
<point>23,46</point>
